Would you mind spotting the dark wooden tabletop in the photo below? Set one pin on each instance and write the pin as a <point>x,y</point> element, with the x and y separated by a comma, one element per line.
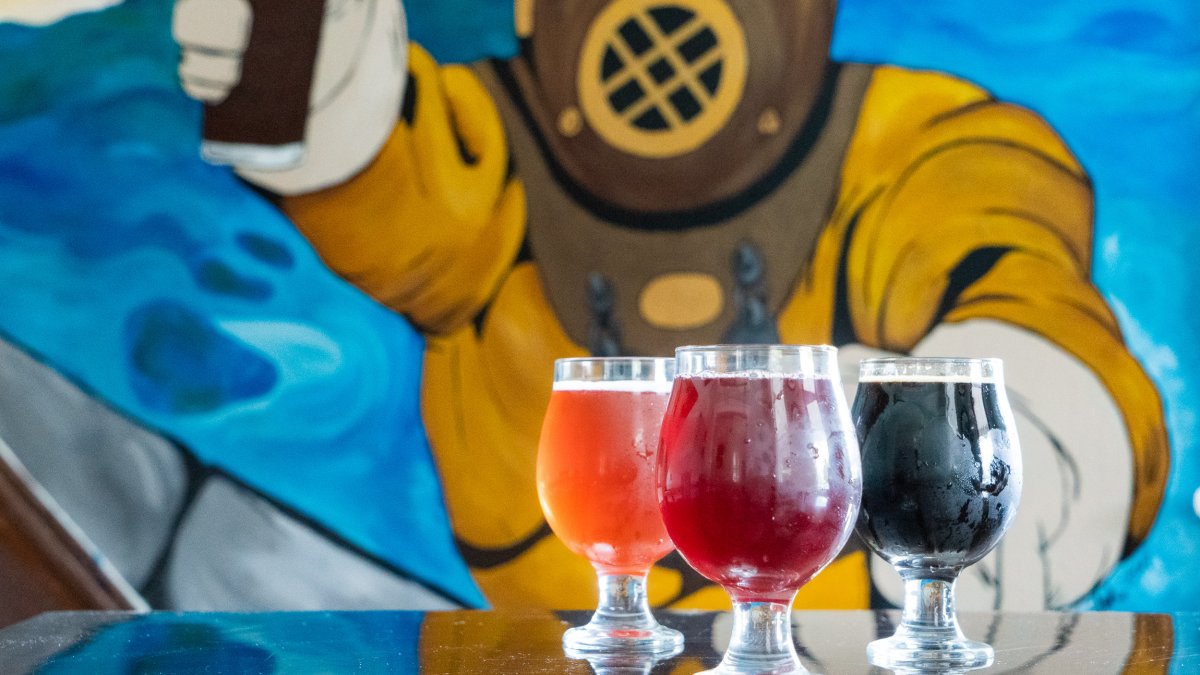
<point>494,642</point>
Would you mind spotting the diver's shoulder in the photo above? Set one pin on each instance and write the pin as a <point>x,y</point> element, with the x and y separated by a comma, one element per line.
<point>899,108</point>
<point>900,78</point>
<point>916,110</point>
<point>920,94</point>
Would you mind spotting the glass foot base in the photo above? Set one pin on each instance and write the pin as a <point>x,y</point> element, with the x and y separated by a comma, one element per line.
<point>794,668</point>
<point>908,653</point>
<point>591,640</point>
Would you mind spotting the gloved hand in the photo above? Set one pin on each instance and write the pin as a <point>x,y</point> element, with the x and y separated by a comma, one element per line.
<point>212,36</point>
<point>424,229</point>
<point>358,83</point>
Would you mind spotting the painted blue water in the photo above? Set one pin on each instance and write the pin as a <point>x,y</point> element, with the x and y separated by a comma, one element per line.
<point>175,293</point>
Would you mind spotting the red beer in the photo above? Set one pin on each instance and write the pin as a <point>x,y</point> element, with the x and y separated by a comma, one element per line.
<point>757,490</point>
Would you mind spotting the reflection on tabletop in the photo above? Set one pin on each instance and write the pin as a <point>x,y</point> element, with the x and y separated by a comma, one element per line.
<point>504,642</point>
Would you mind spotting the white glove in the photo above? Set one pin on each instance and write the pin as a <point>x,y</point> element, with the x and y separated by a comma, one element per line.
<point>1078,472</point>
<point>360,76</point>
<point>212,36</point>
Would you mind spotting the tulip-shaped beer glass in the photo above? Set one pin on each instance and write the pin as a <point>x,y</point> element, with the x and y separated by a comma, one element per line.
<point>941,483</point>
<point>595,476</point>
<point>759,483</point>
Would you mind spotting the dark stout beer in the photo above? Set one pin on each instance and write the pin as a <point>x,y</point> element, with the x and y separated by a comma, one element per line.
<point>941,481</point>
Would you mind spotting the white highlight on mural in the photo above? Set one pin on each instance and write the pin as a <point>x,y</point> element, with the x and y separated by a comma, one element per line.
<point>1111,250</point>
<point>43,12</point>
<point>1196,502</point>
<point>301,352</point>
<point>1159,359</point>
<point>1162,365</point>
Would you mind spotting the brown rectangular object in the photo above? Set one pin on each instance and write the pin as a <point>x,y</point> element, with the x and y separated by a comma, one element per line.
<point>269,105</point>
<point>42,565</point>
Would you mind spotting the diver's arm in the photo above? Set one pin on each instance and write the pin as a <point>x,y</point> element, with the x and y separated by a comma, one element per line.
<point>972,233</point>
<point>432,225</point>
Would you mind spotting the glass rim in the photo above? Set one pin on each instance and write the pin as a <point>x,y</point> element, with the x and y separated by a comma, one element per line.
<point>614,373</point>
<point>775,360</point>
<point>931,369</point>
<point>612,359</point>
<point>786,348</point>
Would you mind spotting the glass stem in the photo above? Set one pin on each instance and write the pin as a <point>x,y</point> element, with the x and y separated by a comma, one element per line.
<point>929,607</point>
<point>602,669</point>
<point>762,639</point>
<point>623,603</point>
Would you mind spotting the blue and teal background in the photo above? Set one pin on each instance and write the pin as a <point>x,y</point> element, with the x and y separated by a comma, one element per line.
<point>173,292</point>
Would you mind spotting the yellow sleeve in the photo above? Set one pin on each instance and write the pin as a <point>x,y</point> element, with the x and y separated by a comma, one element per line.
<point>430,227</point>
<point>961,207</point>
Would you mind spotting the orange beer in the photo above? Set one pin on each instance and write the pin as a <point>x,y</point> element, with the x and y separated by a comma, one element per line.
<point>596,478</point>
<point>596,472</point>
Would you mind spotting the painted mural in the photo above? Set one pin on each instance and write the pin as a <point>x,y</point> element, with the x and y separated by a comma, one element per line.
<point>333,349</point>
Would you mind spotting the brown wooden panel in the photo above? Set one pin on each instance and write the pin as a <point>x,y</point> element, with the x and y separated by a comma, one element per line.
<point>42,565</point>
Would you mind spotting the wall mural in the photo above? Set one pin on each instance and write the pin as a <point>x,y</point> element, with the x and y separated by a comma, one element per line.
<point>332,349</point>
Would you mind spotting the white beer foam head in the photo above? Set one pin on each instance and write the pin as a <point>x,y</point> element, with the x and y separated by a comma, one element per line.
<point>629,386</point>
<point>945,379</point>
<point>933,369</point>
<point>754,375</point>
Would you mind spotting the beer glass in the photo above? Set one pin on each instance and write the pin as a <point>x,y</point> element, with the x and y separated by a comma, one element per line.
<point>595,477</point>
<point>941,484</point>
<point>759,483</point>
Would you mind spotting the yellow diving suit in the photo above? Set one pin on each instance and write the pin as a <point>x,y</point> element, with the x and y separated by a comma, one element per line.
<point>935,173</point>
